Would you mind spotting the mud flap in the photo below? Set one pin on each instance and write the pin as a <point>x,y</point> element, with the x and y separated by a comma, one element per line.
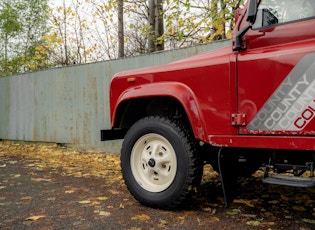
<point>227,163</point>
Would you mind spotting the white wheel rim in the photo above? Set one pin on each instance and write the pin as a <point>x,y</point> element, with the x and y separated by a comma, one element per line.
<point>153,162</point>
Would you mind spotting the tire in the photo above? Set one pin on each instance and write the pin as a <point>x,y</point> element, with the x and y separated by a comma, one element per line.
<point>160,162</point>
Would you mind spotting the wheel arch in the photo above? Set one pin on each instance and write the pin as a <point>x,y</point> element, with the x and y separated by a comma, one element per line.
<point>164,99</point>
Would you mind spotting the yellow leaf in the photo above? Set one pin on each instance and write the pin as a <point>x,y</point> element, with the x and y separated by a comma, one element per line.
<point>162,223</point>
<point>114,192</point>
<point>34,218</point>
<point>233,212</point>
<point>299,208</point>
<point>207,209</point>
<point>102,198</point>
<point>253,223</point>
<point>104,213</point>
<point>308,221</point>
<point>284,198</point>
<point>141,217</point>
<point>214,219</point>
<point>84,202</point>
<point>32,66</point>
<point>246,202</point>
<point>40,179</point>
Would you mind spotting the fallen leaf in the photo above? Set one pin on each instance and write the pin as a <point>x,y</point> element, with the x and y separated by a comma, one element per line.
<point>284,198</point>
<point>162,223</point>
<point>308,221</point>
<point>269,214</point>
<point>242,201</point>
<point>141,217</point>
<point>253,223</point>
<point>96,203</point>
<point>69,191</point>
<point>190,188</point>
<point>40,179</point>
<point>34,218</point>
<point>253,216</point>
<point>303,197</point>
<point>84,202</point>
<point>104,213</point>
<point>114,192</point>
<point>214,219</point>
<point>102,198</point>
<point>265,196</point>
<point>267,224</point>
<point>233,212</point>
<point>274,202</point>
<point>299,208</point>
<point>121,206</point>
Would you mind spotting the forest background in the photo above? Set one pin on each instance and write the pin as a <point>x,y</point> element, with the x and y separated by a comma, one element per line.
<point>41,34</point>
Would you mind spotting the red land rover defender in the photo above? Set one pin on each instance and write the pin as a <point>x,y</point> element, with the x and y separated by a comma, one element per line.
<point>238,108</point>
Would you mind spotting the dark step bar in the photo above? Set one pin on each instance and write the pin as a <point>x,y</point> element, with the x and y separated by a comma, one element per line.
<point>294,178</point>
<point>294,181</point>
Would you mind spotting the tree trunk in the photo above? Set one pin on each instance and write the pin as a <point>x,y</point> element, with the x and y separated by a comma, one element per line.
<point>121,45</point>
<point>151,18</point>
<point>159,24</point>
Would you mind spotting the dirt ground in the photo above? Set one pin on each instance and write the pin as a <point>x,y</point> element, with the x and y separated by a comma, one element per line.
<point>45,186</point>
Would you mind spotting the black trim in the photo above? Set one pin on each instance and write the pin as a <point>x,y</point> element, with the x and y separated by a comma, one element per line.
<point>113,134</point>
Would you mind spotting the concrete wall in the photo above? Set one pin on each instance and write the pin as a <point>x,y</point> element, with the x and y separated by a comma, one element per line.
<point>71,105</point>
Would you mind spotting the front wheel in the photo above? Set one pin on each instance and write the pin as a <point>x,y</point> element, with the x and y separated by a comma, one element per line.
<point>160,162</point>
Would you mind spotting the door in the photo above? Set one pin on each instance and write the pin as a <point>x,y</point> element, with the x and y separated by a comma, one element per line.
<point>276,70</point>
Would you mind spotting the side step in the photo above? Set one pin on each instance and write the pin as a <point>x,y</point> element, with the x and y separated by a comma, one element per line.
<point>290,181</point>
<point>294,178</point>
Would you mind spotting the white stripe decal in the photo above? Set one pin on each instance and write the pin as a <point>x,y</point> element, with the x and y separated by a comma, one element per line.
<point>292,106</point>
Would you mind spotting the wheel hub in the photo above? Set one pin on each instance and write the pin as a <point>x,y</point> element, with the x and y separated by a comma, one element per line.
<point>151,163</point>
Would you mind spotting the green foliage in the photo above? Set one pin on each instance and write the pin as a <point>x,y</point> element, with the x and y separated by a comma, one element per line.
<point>190,22</point>
<point>34,36</point>
<point>22,26</point>
<point>9,21</point>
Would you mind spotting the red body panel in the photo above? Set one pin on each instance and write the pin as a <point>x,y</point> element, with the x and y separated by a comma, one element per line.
<point>205,77</point>
<point>215,85</point>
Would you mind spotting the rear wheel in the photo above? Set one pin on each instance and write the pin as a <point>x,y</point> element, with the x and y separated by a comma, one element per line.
<point>160,162</point>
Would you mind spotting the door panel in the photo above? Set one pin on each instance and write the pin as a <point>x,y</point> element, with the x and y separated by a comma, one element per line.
<point>276,76</point>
